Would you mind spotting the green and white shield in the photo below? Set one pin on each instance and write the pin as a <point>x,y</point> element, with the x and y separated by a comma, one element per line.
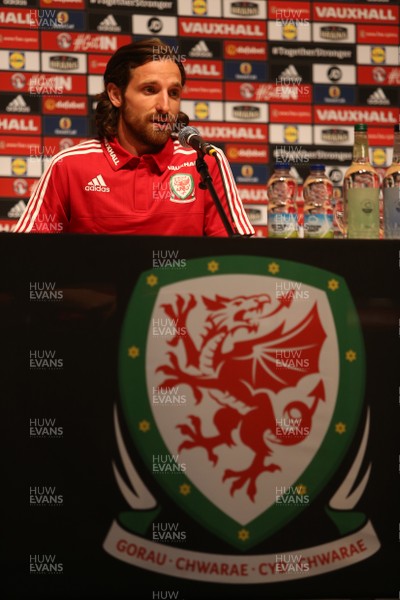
<point>182,186</point>
<point>242,382</point>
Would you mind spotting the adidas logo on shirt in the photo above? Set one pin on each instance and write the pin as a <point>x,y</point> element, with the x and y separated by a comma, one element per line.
<point>97,184</point>
<point>19,105</point>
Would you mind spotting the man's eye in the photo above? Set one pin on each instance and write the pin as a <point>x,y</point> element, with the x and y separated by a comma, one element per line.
<point>149,90</point>
<point>175,93</point>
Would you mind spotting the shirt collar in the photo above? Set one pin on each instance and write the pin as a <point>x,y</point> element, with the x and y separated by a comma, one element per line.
<point>118,157</point>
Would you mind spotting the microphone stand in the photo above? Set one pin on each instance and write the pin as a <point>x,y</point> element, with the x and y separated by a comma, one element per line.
<point>206,183</point>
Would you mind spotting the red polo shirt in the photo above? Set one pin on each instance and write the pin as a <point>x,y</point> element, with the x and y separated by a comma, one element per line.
<point>98,187</point>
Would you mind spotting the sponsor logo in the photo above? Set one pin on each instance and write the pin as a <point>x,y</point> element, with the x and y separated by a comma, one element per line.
<point>204,69</point>
<point>355,13</point>
<point>333,32</point>
<point>97,184</point>
<point>291,133</point>
<point>246,112</point>
<point>289,75</point>
<point>18,81</point>
<point>63,63</point>
<point>64,40</point>
<point>17,210</point>
<point>234,133</point>
<point>378,54</point>
<point>355,115</point>
<point>202,110</point>
<point>334,73</point>
<point>19,166</point>
<point>19,124</point>
<point>244,9</point>
<point>256,50</point>
<point>75,106</point>
<point>109,24</point>
<point>335,136</point>
<point>289,32</point>
<point>200,50</point>
<point>16,60</point>
<point>242,152</point>
<point>18,105</point>
<point>111,152</point>
<point>226,28</point>
<point>20,187</point>
<point>378,97</point>
<point>199,7</point>
<point>154,25</point>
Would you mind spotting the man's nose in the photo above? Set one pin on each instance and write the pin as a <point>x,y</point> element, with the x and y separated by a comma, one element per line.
<point>163,102</point>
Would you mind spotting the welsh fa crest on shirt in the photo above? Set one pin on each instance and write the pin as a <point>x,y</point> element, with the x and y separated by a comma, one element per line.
<point>235,377</point>
<point>182,188</point>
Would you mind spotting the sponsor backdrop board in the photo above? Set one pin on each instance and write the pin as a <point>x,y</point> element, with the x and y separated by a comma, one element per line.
<point>247,63</point>
<point>218,419</point>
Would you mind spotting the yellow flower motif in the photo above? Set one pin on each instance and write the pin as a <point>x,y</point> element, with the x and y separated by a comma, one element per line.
<point>333,285</point>
<point>351,355</point>
<point>151,280</point>
<point>243,535</point>
<point>340,427</point>
<point>301,490</point>
<point>184,489</point>
<point>273,268</point>
<point>133,351</point>
<point>213,266</point>
<point>144,426</point>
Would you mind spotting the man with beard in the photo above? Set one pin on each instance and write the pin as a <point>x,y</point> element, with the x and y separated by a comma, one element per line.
<point>135,178</point>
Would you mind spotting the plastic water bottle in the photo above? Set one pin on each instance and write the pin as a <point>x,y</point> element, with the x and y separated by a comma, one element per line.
<point>361,187</point>
<point>282,209</point>
<point>318,209</point>
<point>391,192</point>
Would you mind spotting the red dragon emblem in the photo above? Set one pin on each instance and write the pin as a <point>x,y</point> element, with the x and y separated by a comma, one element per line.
<point>238,361</point>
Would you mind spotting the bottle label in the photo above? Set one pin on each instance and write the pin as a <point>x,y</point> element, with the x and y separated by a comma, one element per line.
<point>363,213</point>
<point>391,212</point>
<point>282,225</point>
<point>318,226</point>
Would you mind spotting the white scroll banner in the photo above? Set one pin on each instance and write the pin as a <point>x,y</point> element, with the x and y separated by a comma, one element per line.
<point>241,569</point>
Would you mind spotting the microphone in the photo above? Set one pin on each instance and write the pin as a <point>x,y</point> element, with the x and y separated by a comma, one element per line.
<point>182,120</point>
<point>190,137</point>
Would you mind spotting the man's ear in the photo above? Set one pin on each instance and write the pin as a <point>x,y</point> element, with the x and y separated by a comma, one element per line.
<point>114,93</point>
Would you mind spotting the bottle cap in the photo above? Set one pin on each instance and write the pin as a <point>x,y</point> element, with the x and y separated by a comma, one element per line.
<point>317,167</point>
<point>282,165</point>
<point>360,127</point>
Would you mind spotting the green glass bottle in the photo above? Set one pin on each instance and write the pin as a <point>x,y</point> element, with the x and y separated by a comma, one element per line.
<point>361,189</point>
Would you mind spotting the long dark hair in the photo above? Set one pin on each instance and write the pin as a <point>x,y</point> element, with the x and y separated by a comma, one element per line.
<point>118,71</point>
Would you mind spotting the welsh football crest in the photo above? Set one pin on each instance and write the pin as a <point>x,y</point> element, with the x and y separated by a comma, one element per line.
<point>182,186</point>
<point>235,378</point>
